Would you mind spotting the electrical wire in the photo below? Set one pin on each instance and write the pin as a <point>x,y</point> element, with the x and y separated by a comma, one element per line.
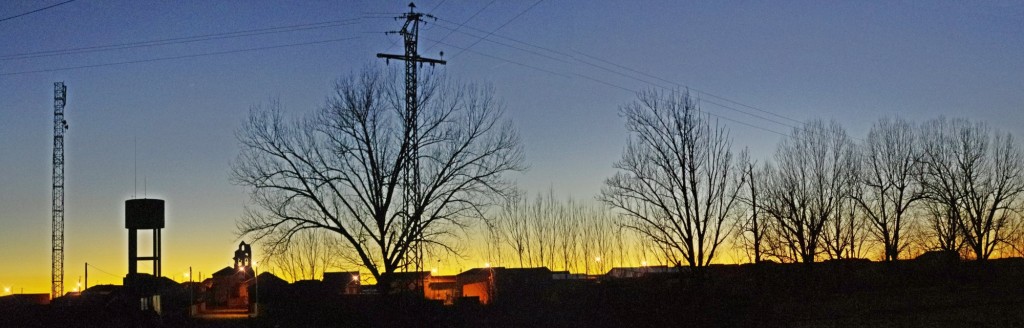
<point>180,40</point>
<point>487,36</point>
<point>602,82</point>
<point>445,37</point>
<point>699,91</point>
<point>435,7</point>
<point>37,10</point>
<point>178,57</point>
<point>103,271</point>
<point>499,27</point>
<point>560,53</point>
<point>577,59</point>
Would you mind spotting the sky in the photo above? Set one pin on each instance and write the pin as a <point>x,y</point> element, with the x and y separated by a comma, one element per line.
<point>159,121</point>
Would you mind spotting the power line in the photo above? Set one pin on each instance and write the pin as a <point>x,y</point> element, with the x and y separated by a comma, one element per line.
<point>603,82</point>
<point>37,10</point>
<point>500,27</point>
<point>450,31</point>
<point>500,58</point>
<point>512,46</point>
<point>699,91</point>
<point>178,57</point>
<point>103,271</point>
<point>627,76</point>
<point>180,40</point>
<point>616,65</point>
<point>431,11</point>
<point>577,59</point>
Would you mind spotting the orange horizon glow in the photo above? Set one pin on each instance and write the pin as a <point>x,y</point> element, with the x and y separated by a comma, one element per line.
<point>108,262</point>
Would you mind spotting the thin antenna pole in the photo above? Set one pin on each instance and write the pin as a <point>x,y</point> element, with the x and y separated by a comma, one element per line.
<point>135,158</point>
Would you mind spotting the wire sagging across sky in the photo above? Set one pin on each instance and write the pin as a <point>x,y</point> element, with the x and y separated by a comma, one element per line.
<point>614,69</point>
<point>36,10</point>
<point>180,57</point>
<point>180,40</point>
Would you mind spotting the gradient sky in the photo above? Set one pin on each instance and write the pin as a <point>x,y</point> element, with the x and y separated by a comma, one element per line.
<point>851,61</point>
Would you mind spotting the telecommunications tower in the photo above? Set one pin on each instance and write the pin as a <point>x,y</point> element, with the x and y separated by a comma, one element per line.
<point>60,126</point>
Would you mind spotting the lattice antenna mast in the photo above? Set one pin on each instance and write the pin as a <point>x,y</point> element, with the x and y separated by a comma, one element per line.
<point>410,32</point>
<point>60,126</point>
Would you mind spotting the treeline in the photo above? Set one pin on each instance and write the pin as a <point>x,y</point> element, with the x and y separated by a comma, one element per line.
<point>366,183</point>
<point>683,196</point>
<point>945,184</point>
<point>562,234</point>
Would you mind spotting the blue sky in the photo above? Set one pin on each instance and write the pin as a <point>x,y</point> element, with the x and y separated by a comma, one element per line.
<point>854,62</point>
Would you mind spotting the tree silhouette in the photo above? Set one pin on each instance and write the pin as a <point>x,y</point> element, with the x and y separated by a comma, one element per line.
<point>346,168</point>
<point>752,233</point>
<point>888,188</point>
<point>973,177</point>
<point>806,185</point>
<point>309,254</point>
<point>677,183</point>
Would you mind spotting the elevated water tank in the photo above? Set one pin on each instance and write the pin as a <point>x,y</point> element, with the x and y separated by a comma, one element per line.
<point>144,214</point>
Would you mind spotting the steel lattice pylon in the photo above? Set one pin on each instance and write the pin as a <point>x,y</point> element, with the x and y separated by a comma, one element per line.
<point>57,253</point>
<point>410,33</point>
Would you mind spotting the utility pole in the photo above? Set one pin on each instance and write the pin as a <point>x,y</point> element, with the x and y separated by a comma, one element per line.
<point>410,33</point>
<point>60,125</point>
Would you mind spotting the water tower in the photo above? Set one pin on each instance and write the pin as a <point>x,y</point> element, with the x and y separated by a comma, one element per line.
<point>143,214</point>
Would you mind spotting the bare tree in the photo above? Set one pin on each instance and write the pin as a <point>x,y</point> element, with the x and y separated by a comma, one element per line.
<point>805,186</point>
<point>346,169</point>
<point>943,227</point>
<point>845,236</point>
<point>599,231</point>
<point>752,232</point>
<point>888,189</point>
<point>974,177</point>
<point>514,225</point>
<point>542,212</point>
<point>308,256</point>
<point>678,183</point>
<point>569,231</point>
<point>493,236</point>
